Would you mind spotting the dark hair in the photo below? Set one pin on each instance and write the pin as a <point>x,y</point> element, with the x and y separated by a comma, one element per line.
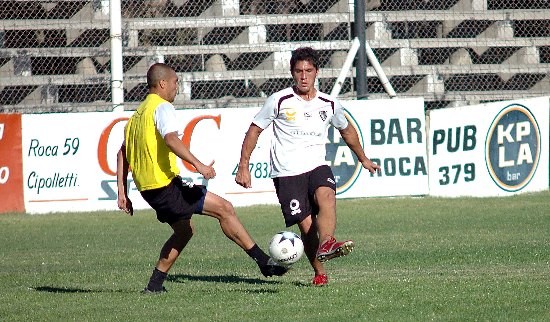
<point>304,53</point>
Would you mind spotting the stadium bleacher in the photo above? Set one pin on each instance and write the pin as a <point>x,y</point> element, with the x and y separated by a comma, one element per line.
<point>55,55</point>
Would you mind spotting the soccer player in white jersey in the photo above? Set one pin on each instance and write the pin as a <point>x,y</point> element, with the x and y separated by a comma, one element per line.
<point>303,182</point>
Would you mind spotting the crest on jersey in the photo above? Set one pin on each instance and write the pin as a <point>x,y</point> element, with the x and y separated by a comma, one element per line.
<point>323,115</point>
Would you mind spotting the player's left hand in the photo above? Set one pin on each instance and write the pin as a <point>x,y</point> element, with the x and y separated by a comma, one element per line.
<point>371,166</point>
<point>207,171</point>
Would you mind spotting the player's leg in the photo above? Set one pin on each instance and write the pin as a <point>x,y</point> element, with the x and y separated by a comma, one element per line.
<point>308,229</point>
<point>296,206</point>
<point>221,209</point>
<point>183,231</point>
<point>325,198</point>
<point>324,187</point>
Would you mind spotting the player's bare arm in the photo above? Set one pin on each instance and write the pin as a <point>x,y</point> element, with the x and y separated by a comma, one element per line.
<point>124,203</point>
<point>350,136</point>
<point>249,143</point>
<point>176,145</point>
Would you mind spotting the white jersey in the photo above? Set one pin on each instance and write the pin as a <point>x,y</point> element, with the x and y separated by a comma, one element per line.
<point>165,120</point>
<point>300,130</point>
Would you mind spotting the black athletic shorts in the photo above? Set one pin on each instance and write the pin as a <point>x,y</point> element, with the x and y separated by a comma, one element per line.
<point>178,200</point>
<point>297,193</point>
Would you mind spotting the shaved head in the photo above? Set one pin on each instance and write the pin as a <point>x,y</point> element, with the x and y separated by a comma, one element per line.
<point>163,81</point>
<point>158,72</point>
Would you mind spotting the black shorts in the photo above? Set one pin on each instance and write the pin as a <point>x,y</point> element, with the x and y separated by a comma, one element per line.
<point>176,201</point>
<point>297,193</point>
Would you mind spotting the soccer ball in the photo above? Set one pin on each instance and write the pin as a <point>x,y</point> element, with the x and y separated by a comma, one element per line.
<point>286,248</point>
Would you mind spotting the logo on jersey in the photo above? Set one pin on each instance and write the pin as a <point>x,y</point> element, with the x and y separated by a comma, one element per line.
<point>305,133</point>
<point>512,147</point>
<point>343,162</point>
<point>290,115</point>
<point>187,183</point>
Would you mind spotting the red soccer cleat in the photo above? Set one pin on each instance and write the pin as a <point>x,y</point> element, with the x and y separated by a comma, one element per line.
<point>331,249</point>
<point>320,280</point>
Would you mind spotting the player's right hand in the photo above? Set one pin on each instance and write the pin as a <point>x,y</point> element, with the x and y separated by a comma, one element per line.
<point>125,204</point>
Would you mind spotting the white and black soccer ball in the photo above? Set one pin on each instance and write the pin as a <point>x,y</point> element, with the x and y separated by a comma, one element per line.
<point>286,248</point>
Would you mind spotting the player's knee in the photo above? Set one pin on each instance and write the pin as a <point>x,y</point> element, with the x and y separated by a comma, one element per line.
<point>226,210</point>
<point>183,229</point>
<point>306,225</point>
<point>325,195</point>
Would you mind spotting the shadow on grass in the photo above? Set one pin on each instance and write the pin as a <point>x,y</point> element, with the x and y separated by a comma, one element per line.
<point>180,278</point>
<point>68,290</point>
<point>303,284</point>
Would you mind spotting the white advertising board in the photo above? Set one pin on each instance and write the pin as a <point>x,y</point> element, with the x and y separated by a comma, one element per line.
<point>69,160</point>
<point>393,135</point>
<point>494,149</point>
<point>64,166</point>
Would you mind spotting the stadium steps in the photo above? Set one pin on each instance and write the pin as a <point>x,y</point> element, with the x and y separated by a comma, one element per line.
<point>448,98</point>
<point>237,49</point>
<point>430,73</point>
<point>482,69</point>
<point>493,40</point>
<point>248,20</point>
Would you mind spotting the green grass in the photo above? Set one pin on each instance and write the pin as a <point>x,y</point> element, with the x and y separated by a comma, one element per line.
<point>416,259</point>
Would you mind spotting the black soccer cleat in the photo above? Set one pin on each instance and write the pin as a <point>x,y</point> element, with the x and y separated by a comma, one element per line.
<point>273,268</point>
<point>154,292</point>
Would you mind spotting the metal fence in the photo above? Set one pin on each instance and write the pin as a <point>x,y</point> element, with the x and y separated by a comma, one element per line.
<point>55,55</point>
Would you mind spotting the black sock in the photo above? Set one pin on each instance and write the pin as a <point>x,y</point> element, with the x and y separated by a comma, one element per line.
<point>258,255</point>
<point>156,280</point>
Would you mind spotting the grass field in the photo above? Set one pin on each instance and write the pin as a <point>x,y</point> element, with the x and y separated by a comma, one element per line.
<point>416,259</point>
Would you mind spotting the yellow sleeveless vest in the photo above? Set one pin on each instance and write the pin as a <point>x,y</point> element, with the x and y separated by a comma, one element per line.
<point>152,163</point>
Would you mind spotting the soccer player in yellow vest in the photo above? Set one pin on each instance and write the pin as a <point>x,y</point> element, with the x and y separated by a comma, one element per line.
<point>151,145</point>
